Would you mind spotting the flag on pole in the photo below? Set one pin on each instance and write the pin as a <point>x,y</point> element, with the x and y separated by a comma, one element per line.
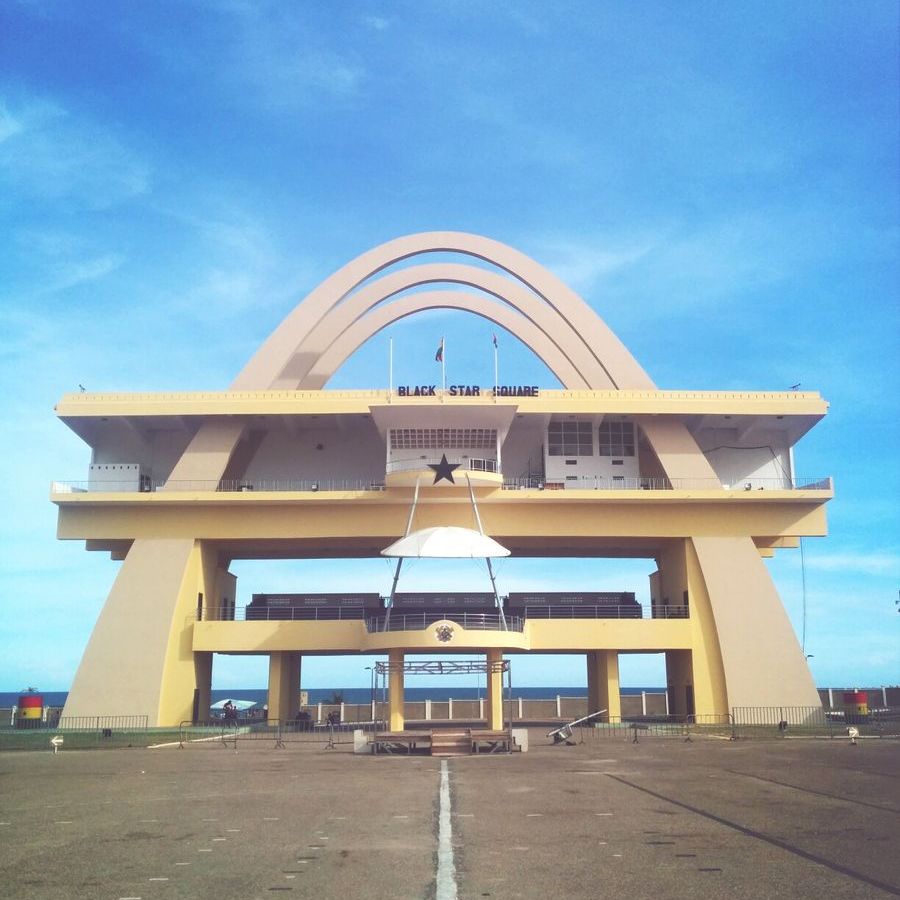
<point>439,356</point>
<point>494,338</point>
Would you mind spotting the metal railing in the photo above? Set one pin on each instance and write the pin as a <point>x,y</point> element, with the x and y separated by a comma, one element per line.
<point>280,733</point>
<point>633,728</point>
<point>398,621</point>
<point>241,485</point>
<point>530,482</point>
<point>628,611</point>
<point>466,463</point>
<point>657,483</point>
<point>281,614</point>
<point>420,620</point>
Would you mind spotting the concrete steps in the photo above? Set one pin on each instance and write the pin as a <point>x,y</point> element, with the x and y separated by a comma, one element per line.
<point>451,743</point>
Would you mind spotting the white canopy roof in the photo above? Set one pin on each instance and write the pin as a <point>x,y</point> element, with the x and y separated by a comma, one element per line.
<point>446,541</point>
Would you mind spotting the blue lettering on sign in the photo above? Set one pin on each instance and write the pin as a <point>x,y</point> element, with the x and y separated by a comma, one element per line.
<point>469,390</point>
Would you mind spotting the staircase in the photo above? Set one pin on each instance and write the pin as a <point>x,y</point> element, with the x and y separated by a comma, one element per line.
<point>451,743</point>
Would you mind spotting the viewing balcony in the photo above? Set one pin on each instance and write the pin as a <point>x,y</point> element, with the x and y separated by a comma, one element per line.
<point>481,472</point>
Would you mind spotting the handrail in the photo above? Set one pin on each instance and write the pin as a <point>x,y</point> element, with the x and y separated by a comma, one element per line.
<point>469,463</point>
<point>663,483</point>
<point>422,620</point>
<point>510,483</point>
<point>466,618</point>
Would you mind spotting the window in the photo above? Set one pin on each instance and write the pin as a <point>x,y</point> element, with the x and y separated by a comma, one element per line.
<point>444,438</point>
<point>570,439</point>
<point>616,439</point>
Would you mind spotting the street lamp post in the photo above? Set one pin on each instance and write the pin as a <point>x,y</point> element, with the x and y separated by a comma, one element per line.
<point>372,692</point>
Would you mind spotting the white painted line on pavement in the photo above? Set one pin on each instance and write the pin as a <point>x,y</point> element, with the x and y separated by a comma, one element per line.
<point>446,870</point>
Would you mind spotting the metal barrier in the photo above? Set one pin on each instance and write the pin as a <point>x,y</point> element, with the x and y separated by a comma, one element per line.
<point>637,727</point>
<point>812,721</point>
<point>280,733</point>
<point>83,733</point>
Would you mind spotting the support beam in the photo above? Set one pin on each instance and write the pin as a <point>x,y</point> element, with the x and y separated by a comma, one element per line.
<point>283,666</point>
<point>396,719</point>
<point>203,663</point>
<point>603,684</point>
<point>495,690</point>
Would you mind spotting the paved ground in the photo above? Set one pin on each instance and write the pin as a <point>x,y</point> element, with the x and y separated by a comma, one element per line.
<point>661,819</point>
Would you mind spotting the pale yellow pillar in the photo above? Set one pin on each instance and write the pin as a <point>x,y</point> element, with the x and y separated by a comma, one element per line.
<point>603,680</point>
<point>282,693</point>
<point>294,684</point>
<point>203,663</point>
<point>495,690</point>
<point>396,701</point>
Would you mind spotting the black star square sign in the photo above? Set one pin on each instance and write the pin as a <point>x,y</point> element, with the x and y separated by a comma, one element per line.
<point>443,469</point>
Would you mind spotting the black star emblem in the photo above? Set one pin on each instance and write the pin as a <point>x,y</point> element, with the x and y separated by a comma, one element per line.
<point>443,469</point>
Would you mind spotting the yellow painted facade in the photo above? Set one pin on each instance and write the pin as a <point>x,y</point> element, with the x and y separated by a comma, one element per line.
<point>182,484</point>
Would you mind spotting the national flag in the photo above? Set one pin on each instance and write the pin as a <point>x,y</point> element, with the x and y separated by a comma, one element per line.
<point>494,338</point>
<point>439,356</point>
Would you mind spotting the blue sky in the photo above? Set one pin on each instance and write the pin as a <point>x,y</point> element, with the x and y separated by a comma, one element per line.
<point>718,180</point>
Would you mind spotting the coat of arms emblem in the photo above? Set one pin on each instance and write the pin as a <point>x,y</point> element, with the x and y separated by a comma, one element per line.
<point>444,633</point>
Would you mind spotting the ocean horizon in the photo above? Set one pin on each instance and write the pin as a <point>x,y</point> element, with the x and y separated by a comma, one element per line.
<point>360,695</point>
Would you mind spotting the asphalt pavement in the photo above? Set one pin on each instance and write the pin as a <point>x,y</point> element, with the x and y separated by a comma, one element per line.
<point>662,819</point>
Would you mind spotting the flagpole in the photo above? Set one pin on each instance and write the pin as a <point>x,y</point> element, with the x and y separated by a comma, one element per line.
<point>391,365</point>
<point>496,367</point>
<point>443,367</point>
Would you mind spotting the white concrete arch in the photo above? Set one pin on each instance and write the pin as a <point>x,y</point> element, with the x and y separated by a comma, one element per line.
<point>263,369</point>
<point>365,327</point>
<point>565,345</point>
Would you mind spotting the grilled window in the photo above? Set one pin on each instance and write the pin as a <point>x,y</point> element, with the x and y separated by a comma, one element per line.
<point>616,439</point>
<point>444,438</point>
<point>570,439</point>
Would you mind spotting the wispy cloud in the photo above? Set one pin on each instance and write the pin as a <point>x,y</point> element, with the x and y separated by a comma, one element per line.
<point>376,23</point>
<point>279,59</point>
<point>849,563</point>
<point>52,154</point>
<point>582,263</point>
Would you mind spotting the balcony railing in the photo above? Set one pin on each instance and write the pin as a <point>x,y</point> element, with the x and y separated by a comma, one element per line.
<point>466,463</point>
<point>240,485</point>
<point>625,611</point>
<point>656,483</point>
<point>529,482</point>
<point>420,621</point>
<point>399,621</point>
<point>282,614</point>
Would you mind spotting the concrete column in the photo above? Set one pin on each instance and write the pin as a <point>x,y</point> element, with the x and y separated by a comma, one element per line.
<point>282,693</point>
<point>296,663</point>
<point>495,691</point>
<point>678,679</point>
<point>396,719</point>
<point>592,682</point>
<point>603,680</point>
<point>203,663</point>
